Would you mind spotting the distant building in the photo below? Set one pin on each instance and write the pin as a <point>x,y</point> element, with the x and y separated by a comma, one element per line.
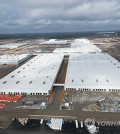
<point>12,45</point>
<point>54,41</point>
<point>13,59</point>
<point>79,46</point>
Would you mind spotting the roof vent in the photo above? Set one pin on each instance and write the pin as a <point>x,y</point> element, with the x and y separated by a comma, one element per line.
<point>30,82</point>
<point>12,76</point>
<point>44,82</point>
<point>17,82</point>
<point>4,82</point>
<point>107,80</point>
<point>96,80</point>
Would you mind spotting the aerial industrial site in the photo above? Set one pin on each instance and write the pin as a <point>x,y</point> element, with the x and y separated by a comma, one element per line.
<point>55,81</point>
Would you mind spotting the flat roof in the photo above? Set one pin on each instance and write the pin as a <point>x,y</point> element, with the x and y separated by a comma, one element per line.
<point>93,71</point>
<point>79,46</point>
<point>13,45</point>
<point>74,50</point>
<point>85,45</point>
<point>35,76</point>
<point>12,59</point>
<point>94,57</point>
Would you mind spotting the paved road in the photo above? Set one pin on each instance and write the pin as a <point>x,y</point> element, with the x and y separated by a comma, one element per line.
<point>34,127</point>
<point>60,113</point>
<point>55,105</point>
<point>62,72</point>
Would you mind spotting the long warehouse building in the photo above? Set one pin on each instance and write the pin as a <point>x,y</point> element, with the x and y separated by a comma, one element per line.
<point>13,59</point>
<point>79,46</point>
<point>12,45</point>
<point>34,77</point>
<point>93,72</point>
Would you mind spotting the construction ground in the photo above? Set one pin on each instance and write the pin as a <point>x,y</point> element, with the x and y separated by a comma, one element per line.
<point>79,102</point>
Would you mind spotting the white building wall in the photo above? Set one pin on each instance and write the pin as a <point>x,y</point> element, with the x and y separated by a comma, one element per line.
<point>13,59</point>
<point>12,45</point>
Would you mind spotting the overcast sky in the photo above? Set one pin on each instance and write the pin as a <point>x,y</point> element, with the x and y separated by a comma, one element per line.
<point>23,16</point>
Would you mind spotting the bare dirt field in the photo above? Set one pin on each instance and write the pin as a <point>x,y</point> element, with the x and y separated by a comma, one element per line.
<point>109,45</point>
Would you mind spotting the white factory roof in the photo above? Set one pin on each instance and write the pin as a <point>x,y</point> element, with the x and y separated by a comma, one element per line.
<point>95,57</point>
<point>79,42</point>
<point>93,71</point>
<point>84,45</point>
<point>54,41</point>
<point>35,76</point>
<point>12,45</point>
<point>66,50</point>
<point>74,50</point>
<point>13,59</point>
<point>79,46</point>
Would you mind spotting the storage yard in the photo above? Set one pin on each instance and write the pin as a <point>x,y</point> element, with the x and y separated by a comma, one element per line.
<point>59,82</point>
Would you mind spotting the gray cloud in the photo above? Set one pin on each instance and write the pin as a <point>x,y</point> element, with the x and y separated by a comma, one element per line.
<point>59,15</point>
